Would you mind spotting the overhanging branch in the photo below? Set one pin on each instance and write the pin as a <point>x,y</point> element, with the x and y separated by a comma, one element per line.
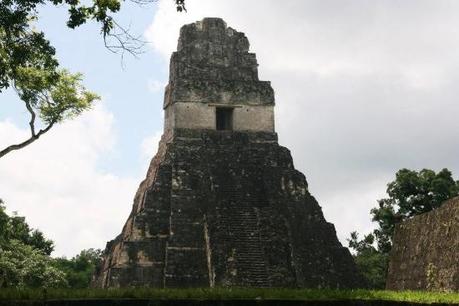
<point>26,142</point>
<point>32,118</point>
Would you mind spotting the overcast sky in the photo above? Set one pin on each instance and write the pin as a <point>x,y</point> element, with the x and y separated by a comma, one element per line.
<point>363,88</point>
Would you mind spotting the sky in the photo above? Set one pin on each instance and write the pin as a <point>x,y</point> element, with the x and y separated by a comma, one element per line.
<point>363,89</point>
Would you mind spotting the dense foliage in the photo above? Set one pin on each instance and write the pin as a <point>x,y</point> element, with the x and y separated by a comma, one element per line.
<point>410,194</point>
<point>24,255</point>
<point>25,260</point>
<point>15,228</point>
<point>80,269</point>
<point>371,263</point>
<point>23,266</point>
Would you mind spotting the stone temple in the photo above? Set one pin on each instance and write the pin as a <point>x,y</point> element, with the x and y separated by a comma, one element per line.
<point>222,204</point>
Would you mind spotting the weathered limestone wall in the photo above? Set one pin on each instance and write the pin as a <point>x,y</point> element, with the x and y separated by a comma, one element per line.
<point>191,116</point>
<point>253,118</point>
<point>202,116</point>
<point>425,254</point>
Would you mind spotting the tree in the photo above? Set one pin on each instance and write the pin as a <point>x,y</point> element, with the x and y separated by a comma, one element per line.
<point>16,228</point>
<point>55,96</point>
<point>25,258</point>
<point>80,269</point>
<point>28,62</point>
<point>371,263</point>
<point>24,266</point>
<point>410,194</point>
<point>24,255</point>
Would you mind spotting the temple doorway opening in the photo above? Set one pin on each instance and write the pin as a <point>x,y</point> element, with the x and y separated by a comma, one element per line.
<point>224,118</point>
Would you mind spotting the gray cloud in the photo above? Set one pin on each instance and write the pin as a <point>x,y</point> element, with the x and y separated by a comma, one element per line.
<point>363,88</point>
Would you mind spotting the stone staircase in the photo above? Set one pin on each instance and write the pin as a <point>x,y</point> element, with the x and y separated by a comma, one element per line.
<point>238,216</point>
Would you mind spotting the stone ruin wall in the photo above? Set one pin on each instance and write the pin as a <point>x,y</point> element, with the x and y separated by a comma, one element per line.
<point>425,253</point>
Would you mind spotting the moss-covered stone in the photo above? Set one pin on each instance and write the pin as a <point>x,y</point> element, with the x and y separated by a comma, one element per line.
<point>425,252</point>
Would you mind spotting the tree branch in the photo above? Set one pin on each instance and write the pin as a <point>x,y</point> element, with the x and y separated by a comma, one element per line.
<point>124,41</point>
<point>32,118</point>
<point>26,142</point>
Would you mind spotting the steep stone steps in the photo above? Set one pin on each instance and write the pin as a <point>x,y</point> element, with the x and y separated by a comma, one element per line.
<point>238,216</point>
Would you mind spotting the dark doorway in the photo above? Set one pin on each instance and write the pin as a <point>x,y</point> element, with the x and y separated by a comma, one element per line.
<point>224,118</point>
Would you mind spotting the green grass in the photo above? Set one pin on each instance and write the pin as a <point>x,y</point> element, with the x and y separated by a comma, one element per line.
<point>226,293</point>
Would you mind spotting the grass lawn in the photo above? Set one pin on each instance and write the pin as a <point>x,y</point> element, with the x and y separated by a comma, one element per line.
<point>226,294</point>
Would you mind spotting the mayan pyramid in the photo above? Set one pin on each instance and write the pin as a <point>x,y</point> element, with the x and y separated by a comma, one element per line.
<point>222,204</point>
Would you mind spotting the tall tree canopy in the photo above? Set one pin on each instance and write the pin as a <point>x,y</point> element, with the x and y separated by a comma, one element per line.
<point>29,65</point>
<point>80,269</point>
<point>411,193</point>
<point>23,266</point>
<point>25,260</point>
<point>24,255</point>
<point>16,228</point>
